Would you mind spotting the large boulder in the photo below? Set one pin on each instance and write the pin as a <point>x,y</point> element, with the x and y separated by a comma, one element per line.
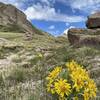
<point>93,21</point>
<point>79,37</point>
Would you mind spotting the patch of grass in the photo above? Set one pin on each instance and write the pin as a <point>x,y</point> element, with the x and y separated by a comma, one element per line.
<point>18,75</point>
<point>56,52</point>
<point>67,53</point>
<point>16,58</point>
<point>21,74</point>
<point>1,81</point>
<point>10,35</point>
<point>11,28</point>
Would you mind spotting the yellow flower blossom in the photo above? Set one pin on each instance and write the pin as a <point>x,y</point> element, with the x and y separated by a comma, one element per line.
<point>62,87</point>
<point>90,87</point>
<point>54,73</point>
<point>71,65</point>
<point>86,95</point>
<point>50,88</point>
<point>79,82</point>
<point>78,75</point>
<point>40,55</point>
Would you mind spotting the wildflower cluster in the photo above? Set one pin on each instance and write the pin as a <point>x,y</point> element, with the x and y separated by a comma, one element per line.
<point>71,82</point>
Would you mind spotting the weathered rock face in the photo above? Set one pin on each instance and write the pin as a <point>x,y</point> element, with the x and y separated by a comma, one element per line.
<point>93,21</point>
<point>73,38</point>
<point>12,19</point>
<point>84,37</point>
<point>90,37</point>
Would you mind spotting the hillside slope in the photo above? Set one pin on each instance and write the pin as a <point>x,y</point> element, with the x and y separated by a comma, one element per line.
<point>14,20</point>
<point>21,63</point>
<point>25,62</point>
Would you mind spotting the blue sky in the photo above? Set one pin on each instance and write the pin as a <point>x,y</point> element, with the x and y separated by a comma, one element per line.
<point>57,16</point>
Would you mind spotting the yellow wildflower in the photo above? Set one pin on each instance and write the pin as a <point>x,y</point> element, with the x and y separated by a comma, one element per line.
<point>50,88</point>
<point>91,88</point>
<point>79,79</point>
<point>86,95</point>
<point>54,73</point>
<point>71,65</point>
<point>40,55</point>
<point>78,75</point>
<point>62,87</point>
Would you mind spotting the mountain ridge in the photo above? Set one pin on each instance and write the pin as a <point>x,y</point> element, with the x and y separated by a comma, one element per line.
<point>13,19</point>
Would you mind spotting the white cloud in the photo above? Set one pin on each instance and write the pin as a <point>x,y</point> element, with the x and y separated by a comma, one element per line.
<point>86,5</point>
<point>45,1</point>
<point>51,27</point>
<point>8,1</point>
<point>67,24</point>
<point>94,11</point>
<point>48,2</point>
<point>40,12</point>
<point>66,31</point>
<point>18,3</point>
<point>54,33</point>
<point>44,11</point>
<point>83,5</point>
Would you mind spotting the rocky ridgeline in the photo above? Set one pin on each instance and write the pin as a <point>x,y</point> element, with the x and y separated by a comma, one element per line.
<point>89,36</point>
<point>12,19</point>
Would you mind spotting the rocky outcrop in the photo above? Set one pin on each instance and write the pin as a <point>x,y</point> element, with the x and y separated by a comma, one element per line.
<point>90,37</point>
<point>84,36</point>
<point>12,19</point>
<point>93,21</point>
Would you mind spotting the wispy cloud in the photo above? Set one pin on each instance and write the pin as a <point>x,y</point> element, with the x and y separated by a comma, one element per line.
<point>55,33</point>
<point>66,31</point>
<point>83,5</point>
<point>48,13</point>
<point>18,3</point>
<point>44,10</point>
<point>51,27</point>
<point>67,24</point>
